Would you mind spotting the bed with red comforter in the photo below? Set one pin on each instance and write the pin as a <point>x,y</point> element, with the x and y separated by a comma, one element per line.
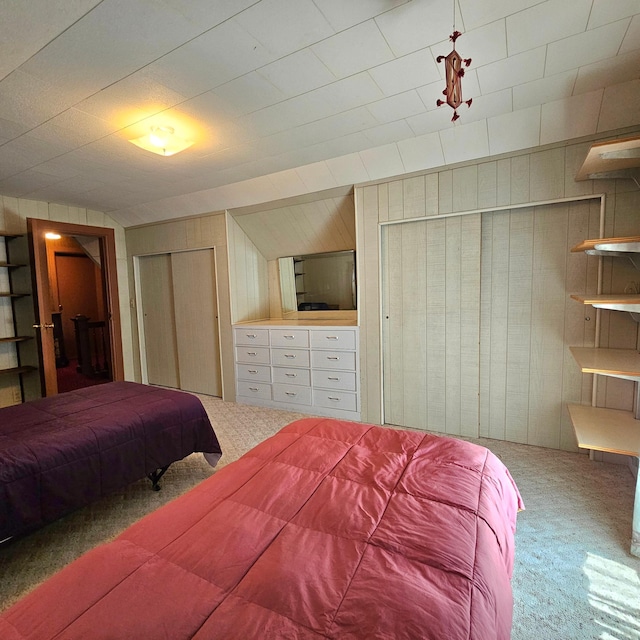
<point>59,453</point>
<point>329,529</point>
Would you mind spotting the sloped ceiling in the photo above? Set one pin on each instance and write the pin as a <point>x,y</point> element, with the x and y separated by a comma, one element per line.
<point>286,97</point>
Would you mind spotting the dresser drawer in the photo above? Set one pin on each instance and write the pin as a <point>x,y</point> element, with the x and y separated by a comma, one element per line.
<point>250,336</point>
<point>257,372</point>
<point>333,360</point>
<point>334,339</point>
<point>292,394</point>
<point>290,338</point>
<point>341,380</point>
<point>257,355</point>
<point>289,375</point>
<point>259,390</point>
<point>343,400</point>
<point>290,357</point>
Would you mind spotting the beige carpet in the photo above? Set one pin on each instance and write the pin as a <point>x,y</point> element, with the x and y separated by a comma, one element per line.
<point>574,577</point>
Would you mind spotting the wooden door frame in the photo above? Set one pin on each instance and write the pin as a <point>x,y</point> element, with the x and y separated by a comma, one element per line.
<point>36,230</point>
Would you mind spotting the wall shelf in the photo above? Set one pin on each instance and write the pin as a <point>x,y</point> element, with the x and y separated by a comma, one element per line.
<point>16,339</point>
<point>18,370</point>
<point>613,301</point>
<point>618,363</point>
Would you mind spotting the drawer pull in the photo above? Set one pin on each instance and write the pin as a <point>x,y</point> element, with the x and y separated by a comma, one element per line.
<point>291,375</point>
<point>333,358</point>
<point>290,393</point>
<point>288,337</point>
<point>333,378</point>
<point>253,370</point>
<point>251,335</point>
<point>253,388</point>
<point>331,337</point>
<point>289,355</point>
<point>333,398</point>
<point>251,353</point>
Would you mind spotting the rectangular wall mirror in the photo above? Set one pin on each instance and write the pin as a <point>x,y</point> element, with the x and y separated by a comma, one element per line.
<point>318,282</point>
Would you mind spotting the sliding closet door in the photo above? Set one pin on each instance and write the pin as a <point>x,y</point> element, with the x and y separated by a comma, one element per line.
<point>156,296</point>
<point>431,324</point>
<point>196,318</point>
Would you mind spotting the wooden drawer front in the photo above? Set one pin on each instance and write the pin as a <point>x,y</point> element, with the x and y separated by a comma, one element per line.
<point>290,357</point>
<point>254,390</point>
<point>290,338</point>
<point>334,360</point>
<point>258,337</point>
<point>335,399</point>
<point>289,375</point>
<point>257,355</point>
<point>291,393</point>
<point>342,380</point>
<point>340,339</point>
<point>258,372</point>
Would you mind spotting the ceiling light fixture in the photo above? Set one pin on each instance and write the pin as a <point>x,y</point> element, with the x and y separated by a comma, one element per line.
<point>163,141</point>
<point>50,235</point>
<point>454,72</point>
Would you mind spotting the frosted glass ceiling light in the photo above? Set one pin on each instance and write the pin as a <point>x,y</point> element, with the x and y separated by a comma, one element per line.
<point>163,141</point>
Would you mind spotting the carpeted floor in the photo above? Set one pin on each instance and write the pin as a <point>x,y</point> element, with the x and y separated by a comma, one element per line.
<point>574,577</point>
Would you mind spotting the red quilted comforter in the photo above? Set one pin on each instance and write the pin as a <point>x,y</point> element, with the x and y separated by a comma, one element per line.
<point>329,529</point>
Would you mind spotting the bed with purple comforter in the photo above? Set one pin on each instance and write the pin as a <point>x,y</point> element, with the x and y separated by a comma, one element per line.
<point>59,453</point>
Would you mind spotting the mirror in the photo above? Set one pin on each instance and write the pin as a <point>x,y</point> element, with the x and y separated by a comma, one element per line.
<point>318,282</point>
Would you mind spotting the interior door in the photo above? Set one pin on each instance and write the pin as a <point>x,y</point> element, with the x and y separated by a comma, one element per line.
<point>431,324</point>
<point>43,299</point>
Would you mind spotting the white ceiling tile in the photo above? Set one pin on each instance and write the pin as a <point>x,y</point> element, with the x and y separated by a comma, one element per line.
<point>22,36</point>
<point>514,131</point>
<point>10,130</point>
<point>399,106</point>
<point>323,102</point>
<point>560,19</point>
<point>631,40</point>
<point>342,15</point>
<point>512,71</point>
<point>620,106</point>
<point>544,90</point>
<point>431,121</point>
<point>287,183</point>
<point>476,14</point>
<point>616,70</point>
<point>416,25</point>
<point>585,48</point>
<point>483,45</point>
<point>420,153</point>
<point>408,72</point>
<point>486,106</point>
<point>384,134</point>
<point>462,141</point>
<point>297,73</point>
<point>246,94</point>
<point>347,169</point>
<point>284,26</point>
<point>570,118</point>
<point>383,161</point>
<point>354,50</point>
<point>605,11</point>
<point>317,176</point>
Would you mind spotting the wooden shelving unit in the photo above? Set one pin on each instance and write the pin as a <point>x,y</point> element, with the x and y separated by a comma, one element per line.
<point>598,428</point>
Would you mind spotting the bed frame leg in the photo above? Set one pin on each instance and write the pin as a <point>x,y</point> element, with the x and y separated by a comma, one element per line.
<point>155,477</point>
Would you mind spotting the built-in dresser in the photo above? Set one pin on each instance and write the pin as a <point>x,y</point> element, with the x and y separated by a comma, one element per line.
<point>306,366</point>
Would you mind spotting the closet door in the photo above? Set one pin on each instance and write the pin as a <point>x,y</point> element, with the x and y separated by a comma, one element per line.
<point>196,321</point>
<point>156,296</point>
<point>431,324</point>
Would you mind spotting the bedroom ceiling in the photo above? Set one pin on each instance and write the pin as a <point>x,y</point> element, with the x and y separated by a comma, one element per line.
<point>286,97</point>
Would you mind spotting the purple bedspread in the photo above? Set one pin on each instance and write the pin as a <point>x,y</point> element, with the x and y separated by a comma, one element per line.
<point>59,453</point>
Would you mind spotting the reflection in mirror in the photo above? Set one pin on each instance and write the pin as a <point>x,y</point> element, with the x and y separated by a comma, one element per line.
<point>318,282</point>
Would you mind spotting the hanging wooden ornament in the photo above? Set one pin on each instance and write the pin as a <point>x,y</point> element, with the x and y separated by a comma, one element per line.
<point>454,72</point>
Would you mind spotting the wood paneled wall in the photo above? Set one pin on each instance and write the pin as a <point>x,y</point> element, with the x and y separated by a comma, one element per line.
<point>538,176</point>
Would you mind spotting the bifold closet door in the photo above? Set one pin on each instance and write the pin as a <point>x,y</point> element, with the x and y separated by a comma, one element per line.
<point>431,324</point>
<point>180,315</point>
<point>196,319</point>
<point>156,294</point>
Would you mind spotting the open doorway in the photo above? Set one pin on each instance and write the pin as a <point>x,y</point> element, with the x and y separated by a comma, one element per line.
<point>80,341</point>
